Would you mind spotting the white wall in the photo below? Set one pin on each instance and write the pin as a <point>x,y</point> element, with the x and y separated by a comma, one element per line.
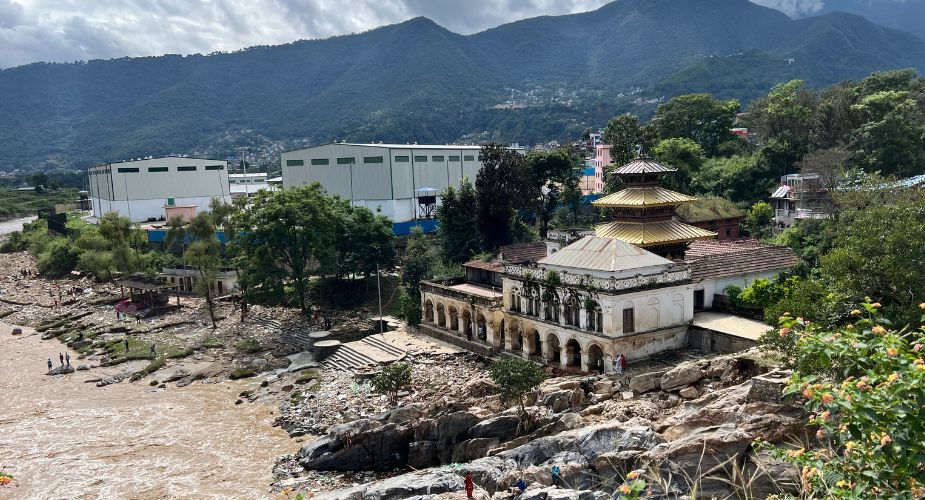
<point>718,286</point>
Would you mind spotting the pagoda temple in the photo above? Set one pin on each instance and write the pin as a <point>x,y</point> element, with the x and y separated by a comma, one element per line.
<point>644,212</point>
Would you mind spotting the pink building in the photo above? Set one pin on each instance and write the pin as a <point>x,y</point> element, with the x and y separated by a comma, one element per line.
<point>601,159</point>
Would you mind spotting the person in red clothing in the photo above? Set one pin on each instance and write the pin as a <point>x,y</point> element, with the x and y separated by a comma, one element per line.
<point>469,485</point>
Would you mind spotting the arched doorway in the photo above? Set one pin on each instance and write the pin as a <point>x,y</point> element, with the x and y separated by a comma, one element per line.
<point>595,358</point>
<point>441,315</point>
<point>467,323</point>
<point>428,311</point>
<point>454,319</point>
<point>481,327</point>
<point>499,343</point>
<point>573,353</point>
<point>535,343</point>
<point>553,353</point>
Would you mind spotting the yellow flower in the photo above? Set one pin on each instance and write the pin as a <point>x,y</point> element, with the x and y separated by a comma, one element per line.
<point>807,393</point>
<point>625,489</point>
<point>849,445</point>
<point>795,453</point>
<point>922,305</point>
<point>824,415</point>
<point>893,377</point>
<point>855,312</point>
<point>875,305</point>
<point>891,351</point>
<point>633,475</point>
<point>879,330</point>
<point>827,398</point>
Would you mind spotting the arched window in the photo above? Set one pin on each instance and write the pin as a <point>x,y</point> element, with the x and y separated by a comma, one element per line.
<point>572,312</point>
<point>595,316</point>
<point>515,299</point>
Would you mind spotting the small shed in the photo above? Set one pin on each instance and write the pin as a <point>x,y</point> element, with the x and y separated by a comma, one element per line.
<point>147,296</point>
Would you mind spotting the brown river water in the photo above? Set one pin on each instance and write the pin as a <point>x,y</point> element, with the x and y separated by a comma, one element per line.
<point>63,438</point>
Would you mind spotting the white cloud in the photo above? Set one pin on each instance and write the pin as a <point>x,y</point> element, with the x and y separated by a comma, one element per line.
<point>69,30</point>
<point>794,8</point>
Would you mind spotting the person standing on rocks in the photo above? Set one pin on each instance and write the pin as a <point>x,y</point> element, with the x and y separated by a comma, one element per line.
<point>50,364</point>
<point>61,357</point>
<point>469,485</point>
<point>618,364</point>
<point>67,357</point>
<point>126,346</point>
<point>555,475</point>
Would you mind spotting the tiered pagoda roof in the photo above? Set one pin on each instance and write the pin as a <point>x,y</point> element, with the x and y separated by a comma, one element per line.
<point>645,211</point>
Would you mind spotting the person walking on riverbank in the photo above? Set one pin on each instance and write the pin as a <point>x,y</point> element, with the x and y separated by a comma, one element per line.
<point>67,357</point>
<point>153,351</point>
<point>50,364</point>
<point>61,357</point>
<point>469,484</point>
<point>126,346</point>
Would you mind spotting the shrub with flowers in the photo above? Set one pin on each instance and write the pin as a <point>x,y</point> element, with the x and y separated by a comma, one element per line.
<point>5,478</point>
<point>865,388</point>
<point>634,487</point>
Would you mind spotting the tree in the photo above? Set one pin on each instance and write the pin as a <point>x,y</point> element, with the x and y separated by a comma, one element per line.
<point>681,153</point>
<point>783,123</point>
<point>458,223</point>
<point>701,118</point>
<point>175,238</point>
<point>291,232</point>
<point>364,242</point>
<point>417,265</point>
<point>879,254</point>
<point>502,187</point>
<point>515,377</point>
<point>39,181</point>
<point>759,221</point>
<point>393,378</point>
<point>625,135</point>
<point>892,138</point>
<point>555,176</point>
<point>203,257</point>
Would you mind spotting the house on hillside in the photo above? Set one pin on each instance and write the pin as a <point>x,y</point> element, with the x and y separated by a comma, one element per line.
<point>799,196</point>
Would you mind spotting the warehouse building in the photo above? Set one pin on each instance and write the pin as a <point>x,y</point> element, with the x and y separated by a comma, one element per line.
<point>397,180</point>
<point>142,190</point>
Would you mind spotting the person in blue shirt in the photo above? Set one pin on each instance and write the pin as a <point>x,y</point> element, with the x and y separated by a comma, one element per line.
<point>555,475</point>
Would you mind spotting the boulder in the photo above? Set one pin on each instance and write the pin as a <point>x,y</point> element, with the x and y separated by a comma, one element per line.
<point>555,493</point>
<point>645,382</point>
<point>363,444</point>
<point>61,370</point>
<point>558,401</point>
<point>115,379</point>
<point>80,344</point>
<point>689,392</point>
<point>17,331</point>
<point>403,414</point>
<point>422,454</point>
<point>503,427</point>
<point>473,448</point>
<point>414,485</point>
<point>615,463</point>
<point>480,387</point>
<point>680,376</point>
<point>589,441</point>
<point>81,368</point>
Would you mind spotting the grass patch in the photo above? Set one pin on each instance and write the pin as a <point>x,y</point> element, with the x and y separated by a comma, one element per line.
<point>246,394</point>
<point>212,343</point>
<point>250,346</point>
<point>139,349</point>
<point>240,373</point>
<point>307,376</point>
<point>296,397</point>
<point>152,367</point>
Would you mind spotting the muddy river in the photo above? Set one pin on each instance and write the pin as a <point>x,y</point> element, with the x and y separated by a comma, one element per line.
<point>63,438</point>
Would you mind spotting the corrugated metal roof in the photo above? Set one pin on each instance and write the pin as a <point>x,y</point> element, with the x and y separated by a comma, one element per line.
<point>523,252</point>
<point>652,233</point>
<point>748,260</point>
<point>781,192</point>
<point>643,165</point>
<point>651,196</point>
<point>603,254</point>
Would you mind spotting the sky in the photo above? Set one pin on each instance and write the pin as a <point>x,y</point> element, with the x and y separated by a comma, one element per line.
<point>70,30</point>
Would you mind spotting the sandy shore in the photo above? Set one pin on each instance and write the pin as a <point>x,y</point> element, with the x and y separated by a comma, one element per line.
<point>63,438</point>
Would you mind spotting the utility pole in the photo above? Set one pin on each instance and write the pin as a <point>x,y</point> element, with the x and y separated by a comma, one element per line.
<point>379,287</point>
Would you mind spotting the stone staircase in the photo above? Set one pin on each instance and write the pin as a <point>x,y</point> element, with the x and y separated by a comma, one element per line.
<point>346,358</point>
<point>349,358</point>
<point>290,336</point>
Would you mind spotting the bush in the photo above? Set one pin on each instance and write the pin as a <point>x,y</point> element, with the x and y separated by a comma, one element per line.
<point>392,379</point>
<point>307,376</point>
<point>15,242</point>
<point>515,377</point>
<point>240,373</point>
<point>58,258</point>
<point>410,308</point>
<point>249,346</point>
<point>865,387</point>
<point>733,292</point>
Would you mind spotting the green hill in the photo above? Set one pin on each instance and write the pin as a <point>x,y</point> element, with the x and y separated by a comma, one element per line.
<point>416,81</point>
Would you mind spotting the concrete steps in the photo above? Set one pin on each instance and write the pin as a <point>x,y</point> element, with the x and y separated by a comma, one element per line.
<point>383,346</point>
<point>267,322</point>
<point>346,358</point>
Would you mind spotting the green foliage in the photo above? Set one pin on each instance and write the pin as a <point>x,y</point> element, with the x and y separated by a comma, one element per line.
<point>246,372</point>
<point>420,262</point>
<point>683,154</point>
<point>15,242</point>
<point>458,231</point>
<point>58,258</point>
<point>733,292</point>
<point>891,137</point>
<point>306,376</point>
<point>289,233</point>
<point>203,257</point>
<point>501,191</point>
<point>880,255</point>
<point>250,346</point>
<point>392,379</point>
<point>737,178</point>
<point>624,133</point>
<point>364,242</point>
<point>864,385</point>
<point>410,308</point>
<point>810,239</point>
<point>702,118</point>
<point>759,220</point>
<point>555,181</point>
<point>515,377</point>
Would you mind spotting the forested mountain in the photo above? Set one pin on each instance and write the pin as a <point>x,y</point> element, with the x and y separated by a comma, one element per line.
<point>906,15</point>
<point>416,81</point>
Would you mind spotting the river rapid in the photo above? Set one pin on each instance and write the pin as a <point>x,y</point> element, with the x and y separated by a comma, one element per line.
<point>63,438</point>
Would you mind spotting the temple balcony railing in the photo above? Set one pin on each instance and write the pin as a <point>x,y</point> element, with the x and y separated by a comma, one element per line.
<point>672,275</point>
<point>445,289</point>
